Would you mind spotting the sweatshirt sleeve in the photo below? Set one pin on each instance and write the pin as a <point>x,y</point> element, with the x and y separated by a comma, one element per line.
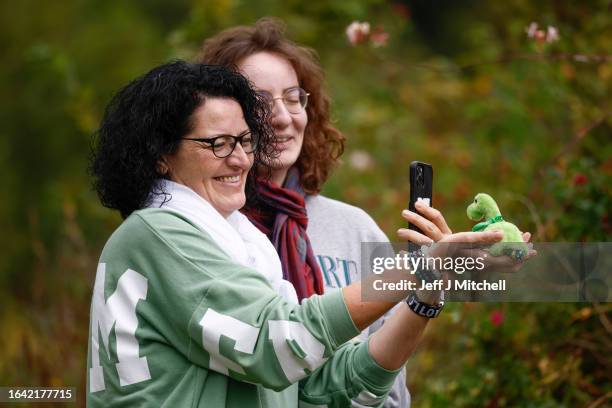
<point>350,378</point>
<point>227,318</point>
<point>398,397</point>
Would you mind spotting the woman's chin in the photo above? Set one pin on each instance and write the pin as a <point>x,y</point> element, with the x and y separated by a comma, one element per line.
<point>284,162</point>
<point>228,207</point>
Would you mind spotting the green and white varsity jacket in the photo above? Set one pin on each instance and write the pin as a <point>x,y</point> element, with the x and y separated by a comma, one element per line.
<point>176,323</point>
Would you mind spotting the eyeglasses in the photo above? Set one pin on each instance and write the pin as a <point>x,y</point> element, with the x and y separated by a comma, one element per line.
<point>294,99</point>
<point>224,145</point>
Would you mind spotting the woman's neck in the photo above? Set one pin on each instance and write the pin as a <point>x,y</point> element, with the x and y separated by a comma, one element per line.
<point>279,176</point>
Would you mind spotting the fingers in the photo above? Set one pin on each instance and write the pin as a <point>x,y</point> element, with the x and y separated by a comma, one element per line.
<point>530,254</point>
<point>406,234</point>
<point>503,263</point>
<point>484,237</point>
<point>434,216</point>
<point>464,240</point>
<point>493,264</point>
<point>526,236</point>
<point>427,227</point>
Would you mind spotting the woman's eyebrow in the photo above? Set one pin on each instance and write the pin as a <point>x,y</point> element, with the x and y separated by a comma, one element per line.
<point>247,130</point>
<point>268,92</point>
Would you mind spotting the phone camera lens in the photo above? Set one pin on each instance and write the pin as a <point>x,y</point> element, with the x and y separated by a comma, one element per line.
<point>419,178</point>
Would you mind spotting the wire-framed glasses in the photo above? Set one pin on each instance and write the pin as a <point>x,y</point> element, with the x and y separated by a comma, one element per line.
<point>294,99</point>
<point>224,145</point>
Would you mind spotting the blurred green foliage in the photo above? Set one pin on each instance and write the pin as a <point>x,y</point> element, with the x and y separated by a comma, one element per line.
<point>459,85</point>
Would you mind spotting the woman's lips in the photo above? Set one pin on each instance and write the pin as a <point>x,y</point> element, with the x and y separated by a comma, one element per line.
<point>282,142</point>
<point>229,179</point>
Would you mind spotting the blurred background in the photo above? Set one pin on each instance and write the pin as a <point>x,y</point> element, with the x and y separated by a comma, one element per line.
<point>494,103</point>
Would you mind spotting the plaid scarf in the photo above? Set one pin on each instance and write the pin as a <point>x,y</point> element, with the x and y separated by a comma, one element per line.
<point>283,218</point>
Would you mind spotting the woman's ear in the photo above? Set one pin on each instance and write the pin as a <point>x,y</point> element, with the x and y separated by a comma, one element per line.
<point>162,167</point>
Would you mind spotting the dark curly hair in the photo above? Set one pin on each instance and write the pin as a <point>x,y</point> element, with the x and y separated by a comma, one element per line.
<point>323,143</point>
<point>148,118</point>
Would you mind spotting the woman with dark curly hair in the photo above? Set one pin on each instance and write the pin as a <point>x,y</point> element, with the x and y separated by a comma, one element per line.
<point>127,162</point>
<point>189,306</point>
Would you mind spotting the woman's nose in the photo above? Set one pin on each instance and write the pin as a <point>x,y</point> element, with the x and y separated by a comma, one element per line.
<point>239,157</point>
<point>281,118</point>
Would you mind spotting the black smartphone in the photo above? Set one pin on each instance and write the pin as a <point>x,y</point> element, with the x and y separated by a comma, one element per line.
<point>421,188</point>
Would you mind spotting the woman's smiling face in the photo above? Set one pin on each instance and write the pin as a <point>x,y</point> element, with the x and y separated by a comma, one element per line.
<point>275,75</point>
<point>220,181</point>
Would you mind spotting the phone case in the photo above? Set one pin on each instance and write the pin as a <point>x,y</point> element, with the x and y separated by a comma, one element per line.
<point>421,187</point>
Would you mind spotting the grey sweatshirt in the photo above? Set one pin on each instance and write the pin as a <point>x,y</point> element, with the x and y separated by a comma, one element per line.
<point>336,231</point>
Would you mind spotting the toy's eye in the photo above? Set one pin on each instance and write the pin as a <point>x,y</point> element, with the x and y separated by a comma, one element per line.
<point>475,201</point>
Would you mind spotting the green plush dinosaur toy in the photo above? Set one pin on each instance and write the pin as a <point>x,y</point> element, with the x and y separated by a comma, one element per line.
<point>485,207</point>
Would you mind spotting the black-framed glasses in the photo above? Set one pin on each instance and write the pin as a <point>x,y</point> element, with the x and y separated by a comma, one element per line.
<point>294,99</point>
<point>224,145</point>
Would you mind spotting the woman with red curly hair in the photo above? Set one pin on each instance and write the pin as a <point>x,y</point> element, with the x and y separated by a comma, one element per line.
<point>318,239</point>
<point>290,77</point>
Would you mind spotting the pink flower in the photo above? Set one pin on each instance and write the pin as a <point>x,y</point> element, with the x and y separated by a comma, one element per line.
<point>580,180</point>
<point>357,32</point>
<point>552,35</point>
<point>532,29</point>
<point>361,160</point>
<point>496,317</point>
<point>379,37</point>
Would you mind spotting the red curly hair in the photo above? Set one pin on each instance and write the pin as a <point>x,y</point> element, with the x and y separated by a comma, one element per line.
<point>323,143</point>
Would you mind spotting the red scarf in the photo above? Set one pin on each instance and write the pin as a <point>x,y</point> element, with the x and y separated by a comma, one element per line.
<point>282,217</point>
